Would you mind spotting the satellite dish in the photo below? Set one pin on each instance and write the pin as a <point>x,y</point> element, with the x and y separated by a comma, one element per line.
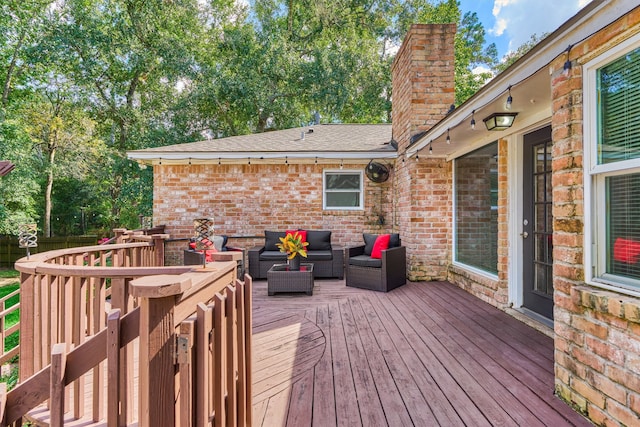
<point>377,172</point>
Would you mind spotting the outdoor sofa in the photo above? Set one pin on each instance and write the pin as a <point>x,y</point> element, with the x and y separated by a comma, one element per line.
<point>327,259</point>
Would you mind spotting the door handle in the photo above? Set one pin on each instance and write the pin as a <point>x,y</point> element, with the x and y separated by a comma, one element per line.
<point>524,234</point>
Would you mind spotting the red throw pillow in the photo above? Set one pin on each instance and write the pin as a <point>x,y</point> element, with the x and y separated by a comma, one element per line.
<point>208,254</point>
<point>382,243</point>
<point>627,251</point>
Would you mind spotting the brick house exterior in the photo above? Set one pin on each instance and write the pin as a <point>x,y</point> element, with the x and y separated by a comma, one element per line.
<point>459,203</point>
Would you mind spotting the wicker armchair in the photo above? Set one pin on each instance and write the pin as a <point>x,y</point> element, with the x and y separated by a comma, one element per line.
<point>384,274</point>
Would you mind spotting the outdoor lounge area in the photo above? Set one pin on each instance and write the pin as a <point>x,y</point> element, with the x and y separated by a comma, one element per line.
<point>425,354</point>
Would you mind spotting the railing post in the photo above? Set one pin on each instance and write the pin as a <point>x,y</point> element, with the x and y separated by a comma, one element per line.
<point>157,299</point>
<point>56,384</point>
<point>119,234</point>
<point>158,248</point>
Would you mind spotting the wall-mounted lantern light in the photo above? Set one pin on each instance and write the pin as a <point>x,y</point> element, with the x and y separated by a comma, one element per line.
<point>500,121</point>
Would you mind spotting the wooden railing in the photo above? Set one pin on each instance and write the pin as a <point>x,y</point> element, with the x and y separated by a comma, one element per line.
<point>111,323</point>
<point>6,354</point>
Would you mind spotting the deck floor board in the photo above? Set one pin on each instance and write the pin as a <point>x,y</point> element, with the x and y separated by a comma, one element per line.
<point>424,354</point>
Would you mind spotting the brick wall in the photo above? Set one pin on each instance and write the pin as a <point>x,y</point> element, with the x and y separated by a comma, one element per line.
<point>597,332</point>
<point>423,91</point>
<point>245,200</point>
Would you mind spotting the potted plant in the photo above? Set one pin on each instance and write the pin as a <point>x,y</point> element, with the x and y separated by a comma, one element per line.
<point>294,246</point>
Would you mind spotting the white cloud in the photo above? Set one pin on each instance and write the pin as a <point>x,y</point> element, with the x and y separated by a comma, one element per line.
<point>519,19</point>
<point>499,28</point>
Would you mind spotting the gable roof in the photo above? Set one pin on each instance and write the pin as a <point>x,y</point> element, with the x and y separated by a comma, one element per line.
<point>359,142</point>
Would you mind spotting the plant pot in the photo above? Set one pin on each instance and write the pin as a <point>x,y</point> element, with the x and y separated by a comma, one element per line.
<point>294,263</point>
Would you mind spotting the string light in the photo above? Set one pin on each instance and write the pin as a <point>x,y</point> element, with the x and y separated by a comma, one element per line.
<point>341,165</point>
<point>218,161</point>
<point>473,120</point>
<point>507,105</point>
<point>430,147</point>
<point>248,160</point>
<point>286,160</point>
<point>417,157</point>
<point>316,162</point>
<point>189,160</point>
<point>448,137</point>
<point>566,69</point>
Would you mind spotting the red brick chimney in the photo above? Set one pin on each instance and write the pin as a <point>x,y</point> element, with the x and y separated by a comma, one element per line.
<point>422,78</point>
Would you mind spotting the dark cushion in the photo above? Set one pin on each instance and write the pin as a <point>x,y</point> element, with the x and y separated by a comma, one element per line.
<point>220,242</point>
<point>273,256</point>
<point>370,240</point>
<point>271,238</point>
<point>319,240</point>
<point>394,241</point>
<point>365,261</point>
<point>318,256</point>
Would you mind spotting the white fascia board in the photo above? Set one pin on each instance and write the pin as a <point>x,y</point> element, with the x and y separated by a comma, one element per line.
<point>215,156</point>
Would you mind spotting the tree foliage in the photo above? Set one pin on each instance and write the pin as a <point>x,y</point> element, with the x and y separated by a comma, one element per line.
<point>83,81</point>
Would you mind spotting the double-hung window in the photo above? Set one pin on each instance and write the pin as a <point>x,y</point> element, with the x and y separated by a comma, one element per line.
<point>612,180</point>
<point>342,189</point>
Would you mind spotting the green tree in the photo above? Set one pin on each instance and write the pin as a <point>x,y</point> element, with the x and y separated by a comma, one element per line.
<point>21,27</point>
<point>513,56</point>
<point>63,139</point>
<point>19,190</point>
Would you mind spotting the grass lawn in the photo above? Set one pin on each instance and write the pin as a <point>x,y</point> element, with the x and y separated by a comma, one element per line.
<point>10,320</point>
<point>6,289</point>
<point>9,274</point>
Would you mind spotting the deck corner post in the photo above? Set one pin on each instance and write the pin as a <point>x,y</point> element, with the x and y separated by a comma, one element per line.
<point>156,395</point>
<point>158,248</point>
<point>119,234</point>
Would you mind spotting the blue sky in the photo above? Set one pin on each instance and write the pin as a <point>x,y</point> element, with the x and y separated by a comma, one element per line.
<point>510,23</point>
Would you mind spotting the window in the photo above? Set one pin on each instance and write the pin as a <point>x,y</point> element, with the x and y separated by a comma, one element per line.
<point>612,147</point>
<point>476,210</point>
<point>343,190</point>
<point>618,89</point>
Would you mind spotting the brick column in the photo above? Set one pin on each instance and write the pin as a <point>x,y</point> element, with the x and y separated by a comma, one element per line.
<point>423,91</point>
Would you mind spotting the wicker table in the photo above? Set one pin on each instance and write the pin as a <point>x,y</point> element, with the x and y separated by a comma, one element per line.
<point>281,279</point>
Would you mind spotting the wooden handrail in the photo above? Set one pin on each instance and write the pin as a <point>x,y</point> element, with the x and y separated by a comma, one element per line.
<point>30,393</point>
<point>64,300</point>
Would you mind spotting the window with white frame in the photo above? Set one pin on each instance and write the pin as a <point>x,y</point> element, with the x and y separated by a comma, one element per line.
<point>342,189</point>
<point>612,147</point>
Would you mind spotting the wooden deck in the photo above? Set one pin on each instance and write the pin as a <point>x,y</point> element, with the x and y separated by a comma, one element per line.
<point>426,354</point>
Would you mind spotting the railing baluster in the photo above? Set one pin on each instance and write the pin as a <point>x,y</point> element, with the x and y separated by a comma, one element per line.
<point>231,356</point>
<point>186,360</point>
<point>114,414</point>
<point>27,325</point>
<point>219,342</point>
<point>79,331</point>
<point>204,382</point>
<point>98,371</point>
